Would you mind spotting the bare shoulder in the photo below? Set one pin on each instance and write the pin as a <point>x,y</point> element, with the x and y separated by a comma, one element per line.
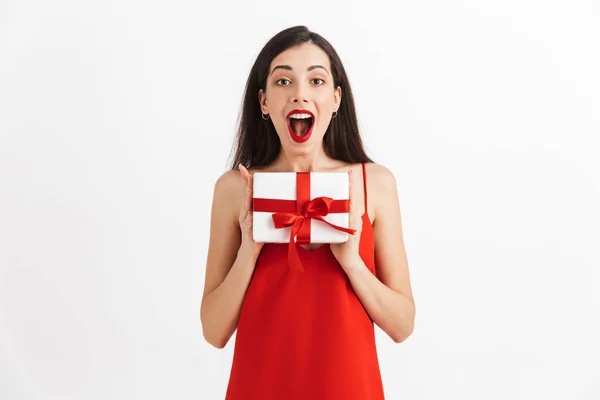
<point>380,175</point>
<point>390,253</point>
<point>228,184</point>
<point>382,187</point>
<point>229,191</point>
<point>224,228</point>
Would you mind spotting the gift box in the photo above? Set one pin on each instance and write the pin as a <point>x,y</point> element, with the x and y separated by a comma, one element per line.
<point>301,208</point>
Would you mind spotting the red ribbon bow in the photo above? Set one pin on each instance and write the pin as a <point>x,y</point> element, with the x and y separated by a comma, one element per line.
<point>317,208</point>
<point>299,219</point>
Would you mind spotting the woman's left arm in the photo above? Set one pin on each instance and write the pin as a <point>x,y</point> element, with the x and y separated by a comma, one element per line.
<point>387,297</point>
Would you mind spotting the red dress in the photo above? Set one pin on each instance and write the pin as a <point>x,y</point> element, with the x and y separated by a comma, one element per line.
<point>305,335</point>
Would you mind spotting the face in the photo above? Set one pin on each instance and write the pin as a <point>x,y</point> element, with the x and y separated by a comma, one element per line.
<point>300,85</point>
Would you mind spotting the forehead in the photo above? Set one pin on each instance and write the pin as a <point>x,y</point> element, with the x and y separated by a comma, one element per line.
<point>301,57</point>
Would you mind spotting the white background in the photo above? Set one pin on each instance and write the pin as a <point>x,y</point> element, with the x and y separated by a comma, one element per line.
<point>117,117</point>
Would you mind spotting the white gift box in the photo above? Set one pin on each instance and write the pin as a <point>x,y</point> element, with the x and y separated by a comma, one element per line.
<point>277,192</point>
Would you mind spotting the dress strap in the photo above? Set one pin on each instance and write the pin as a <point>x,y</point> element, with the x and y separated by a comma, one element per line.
<point>365,185</point>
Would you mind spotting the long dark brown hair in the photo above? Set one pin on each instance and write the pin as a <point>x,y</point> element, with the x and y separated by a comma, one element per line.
<point>257,143</point>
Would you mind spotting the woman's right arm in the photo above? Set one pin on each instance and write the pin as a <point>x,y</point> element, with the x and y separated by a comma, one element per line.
<point>232,255</point>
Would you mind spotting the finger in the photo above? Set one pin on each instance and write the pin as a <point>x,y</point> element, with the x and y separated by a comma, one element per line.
<point>250,192</point>
<point>246,176</point>
<point>350,188</point>
<point>245,173</point>
<point>355,209</point>
<point>245,206</point>
<point>247,192</point>
<point>353,202</point>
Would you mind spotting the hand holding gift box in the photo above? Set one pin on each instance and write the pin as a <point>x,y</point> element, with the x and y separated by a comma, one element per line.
<point>300,208</point>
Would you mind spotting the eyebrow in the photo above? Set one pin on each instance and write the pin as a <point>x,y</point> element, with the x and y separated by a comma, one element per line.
<point>289,68</point>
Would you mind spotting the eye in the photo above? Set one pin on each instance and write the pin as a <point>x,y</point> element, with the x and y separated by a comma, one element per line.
<point>319,79</point>
<point>282,79</point>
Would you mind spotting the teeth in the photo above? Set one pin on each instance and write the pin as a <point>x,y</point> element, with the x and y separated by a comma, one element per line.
<point>300,116</point>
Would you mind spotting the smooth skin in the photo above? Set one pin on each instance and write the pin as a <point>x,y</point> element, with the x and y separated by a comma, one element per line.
<point>232,252</point>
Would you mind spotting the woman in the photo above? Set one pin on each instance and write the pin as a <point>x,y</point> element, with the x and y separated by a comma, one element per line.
<point>304,335</point>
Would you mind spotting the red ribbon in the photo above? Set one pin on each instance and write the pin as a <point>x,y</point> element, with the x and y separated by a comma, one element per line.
<point>298,213</point>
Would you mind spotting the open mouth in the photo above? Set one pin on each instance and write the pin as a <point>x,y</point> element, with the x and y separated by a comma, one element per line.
<point>300,127</point>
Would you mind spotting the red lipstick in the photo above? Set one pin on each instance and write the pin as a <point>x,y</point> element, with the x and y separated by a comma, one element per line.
<point>296,138</point>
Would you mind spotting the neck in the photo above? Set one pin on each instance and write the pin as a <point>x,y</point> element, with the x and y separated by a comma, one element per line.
<point>313,161</point>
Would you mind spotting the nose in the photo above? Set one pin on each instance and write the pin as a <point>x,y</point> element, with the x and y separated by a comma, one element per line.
<point>300,94</point>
